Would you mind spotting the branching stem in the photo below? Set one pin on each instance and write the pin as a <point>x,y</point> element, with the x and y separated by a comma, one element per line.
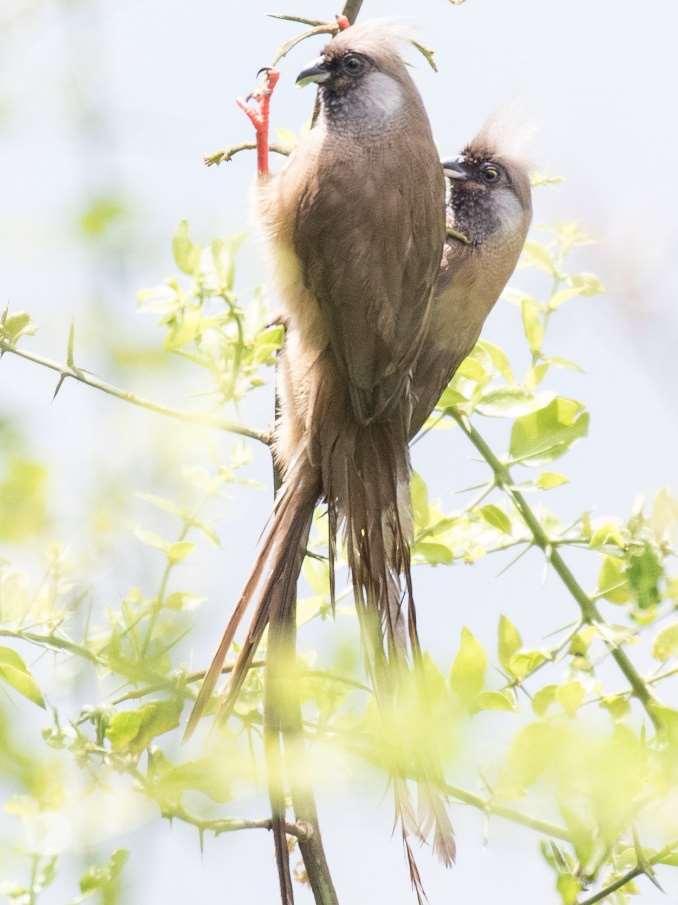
<point>204,419</point>
<point>589,610</point>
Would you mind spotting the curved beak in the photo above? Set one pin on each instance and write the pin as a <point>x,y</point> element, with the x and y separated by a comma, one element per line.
<point>455,169</point>
<point>317,72</point>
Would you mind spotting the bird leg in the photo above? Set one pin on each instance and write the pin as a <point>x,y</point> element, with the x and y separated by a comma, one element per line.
<point>256,106</point>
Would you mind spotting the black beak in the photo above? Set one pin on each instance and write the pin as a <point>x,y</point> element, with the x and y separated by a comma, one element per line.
<point>317,72</point>
<point>455,169</point>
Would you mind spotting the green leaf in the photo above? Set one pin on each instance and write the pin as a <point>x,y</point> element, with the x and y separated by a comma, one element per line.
<point>186,253</point>
<point>537,255</point>
<point>547,480</point>
<point>570,696</point>
<point>587,284</point>
<point>434,553</point>
<point>15,673</point>
<point>607,532</point>
<point>14,326</point>
<point>548,433</point>
<point>617,705</point>
<point>499,359</point>
<point>510,402</point>
<point>533,323</point>
<point>151,539</point>
<point>100,877</point>
<point>210,775</point>
<point>179,550</point>
<point>509,641</point>
<point>450,398</point>
<point>525,662</point>
<point>223,256</point>
<point>494,700</point>
<point>419,497</point>
<point>569,888</point>
<point>666,643</point>
<point>133,730</point>
<point>23,499</point>
<point>543,699</point>
<point>612,581</point>
<point>468,670</point>
<point>496,517</point>
<point>644,573</point>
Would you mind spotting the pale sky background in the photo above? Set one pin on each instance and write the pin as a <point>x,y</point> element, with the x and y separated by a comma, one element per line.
<point>125,97</point>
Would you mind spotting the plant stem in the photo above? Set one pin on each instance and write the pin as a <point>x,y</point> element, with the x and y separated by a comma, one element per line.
<point>640,868</point>
<point>498,810</point>
<point>231,824</point>
<point>204,419</point>
<point>589,610</point>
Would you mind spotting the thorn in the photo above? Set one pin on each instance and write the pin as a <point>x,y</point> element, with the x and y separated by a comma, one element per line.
<point>343,22</point>
<point>201,837</point>
<point>71,342</point>
<point>643,863</point>
<point>60,383</point>
<point>515,559</point>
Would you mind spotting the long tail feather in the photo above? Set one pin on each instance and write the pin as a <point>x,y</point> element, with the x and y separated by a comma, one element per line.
<point>373,477</point>
<point>287,530</point>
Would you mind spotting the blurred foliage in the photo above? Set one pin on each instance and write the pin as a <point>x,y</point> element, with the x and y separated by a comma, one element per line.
<point>583,748</point>
<point>578,743</point>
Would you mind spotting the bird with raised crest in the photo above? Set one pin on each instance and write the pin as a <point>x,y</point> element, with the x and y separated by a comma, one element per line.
<point>355,229</point>
<point>380,309</point>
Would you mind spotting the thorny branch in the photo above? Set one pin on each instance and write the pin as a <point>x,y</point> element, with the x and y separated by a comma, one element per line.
<point>589,610</point>
<point>203,419</point>
<point>643,867</point>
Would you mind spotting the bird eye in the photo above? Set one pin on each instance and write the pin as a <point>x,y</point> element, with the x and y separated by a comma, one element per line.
<point>353,64</point>
<point>490,173</point>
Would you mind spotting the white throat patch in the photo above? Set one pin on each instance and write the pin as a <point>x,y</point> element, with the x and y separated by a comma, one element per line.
<point>383,94</point>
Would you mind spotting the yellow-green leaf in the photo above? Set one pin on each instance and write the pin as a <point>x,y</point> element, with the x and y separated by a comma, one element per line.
<point>547,480</point>
<point>14,672</point>
<point>419,497</point>
<point>525,662</point>
<point>468,670</point>
<point>496,517</point>
<point>494,700</point>
<point>548,433</point>
<point>543,699</point>
<point>570,696</point>
<point>666,643</point>
<point>613,584</point>
<point>509,641</point>
<point>533,323</point>
<point>179,550</point>
<point>186,253</point>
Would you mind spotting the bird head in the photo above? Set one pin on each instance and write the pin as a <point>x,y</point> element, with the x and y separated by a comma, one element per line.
<point>489,194</point>
<point>361,74</point>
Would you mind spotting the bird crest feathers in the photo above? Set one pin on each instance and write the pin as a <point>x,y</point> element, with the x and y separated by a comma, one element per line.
<point>376,38</point>
<point>506,134</point>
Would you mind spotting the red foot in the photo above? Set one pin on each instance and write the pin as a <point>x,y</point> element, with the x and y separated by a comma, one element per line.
<point>257,106</point>
<point>343,23</point>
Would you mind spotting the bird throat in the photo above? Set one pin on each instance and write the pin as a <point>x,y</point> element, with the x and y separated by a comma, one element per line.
<point>374,105</point>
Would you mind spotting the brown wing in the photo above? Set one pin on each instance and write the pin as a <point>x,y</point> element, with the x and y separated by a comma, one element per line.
<point>369,232</point>
<point>439,358</point>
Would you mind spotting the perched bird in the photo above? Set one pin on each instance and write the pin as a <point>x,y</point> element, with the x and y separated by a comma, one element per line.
<point>355,227</point>
<point>488,213</point>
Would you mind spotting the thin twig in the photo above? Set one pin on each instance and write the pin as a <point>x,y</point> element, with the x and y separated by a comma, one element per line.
<point>229,153</point>
<point>233,824</point>
<point>640,868</point>
<point>204,419</point>
<point>498,810</point>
